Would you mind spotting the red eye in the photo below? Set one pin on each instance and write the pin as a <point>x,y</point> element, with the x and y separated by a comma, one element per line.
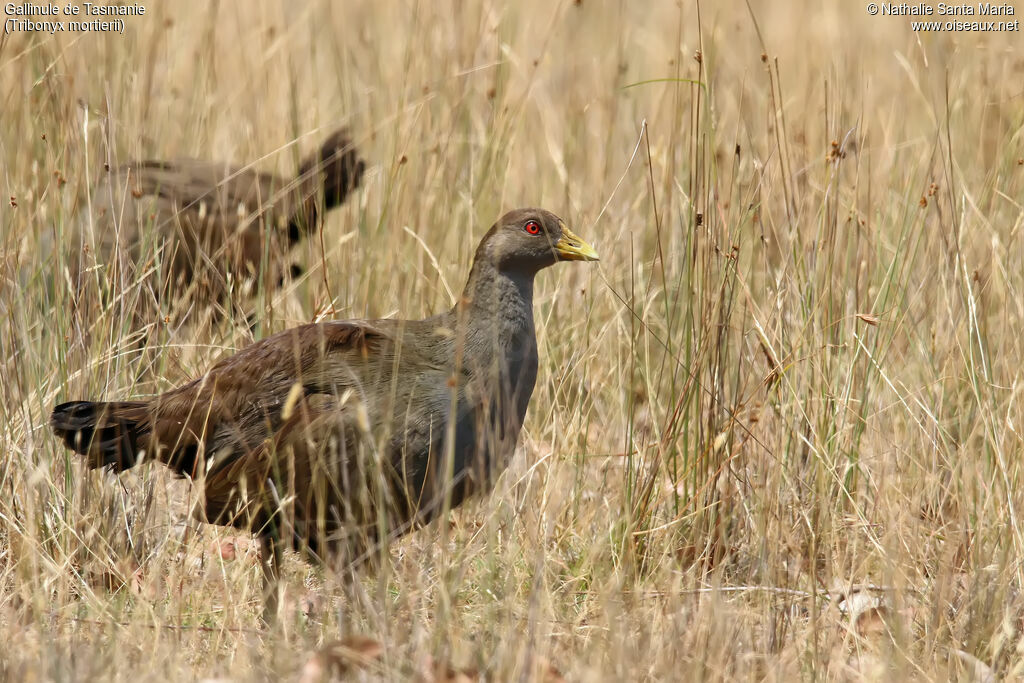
<point>533,228</point>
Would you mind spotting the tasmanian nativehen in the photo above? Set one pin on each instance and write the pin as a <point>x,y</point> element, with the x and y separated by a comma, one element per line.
<point>205,226</point>
<point>331,438</point>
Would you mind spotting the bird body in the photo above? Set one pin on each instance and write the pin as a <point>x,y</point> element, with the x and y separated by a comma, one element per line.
<point>332,436</point>
<point>213,224</point>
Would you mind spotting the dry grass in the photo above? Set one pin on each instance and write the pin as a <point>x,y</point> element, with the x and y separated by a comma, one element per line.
<point>776,431</point>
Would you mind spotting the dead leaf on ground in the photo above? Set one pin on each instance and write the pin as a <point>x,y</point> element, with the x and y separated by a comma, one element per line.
<point>546,672</point>
<point>340,657</point>
<point>432,671</point>
<point>230,548</point>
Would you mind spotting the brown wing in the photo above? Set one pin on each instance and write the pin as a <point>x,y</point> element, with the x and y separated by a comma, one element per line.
<point>242,402</point>
<point>316,480</point>
<point>305,452</point>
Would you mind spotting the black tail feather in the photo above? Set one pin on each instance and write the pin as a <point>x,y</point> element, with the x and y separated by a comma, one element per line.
<point>107,434</point>
<point>338,160</point>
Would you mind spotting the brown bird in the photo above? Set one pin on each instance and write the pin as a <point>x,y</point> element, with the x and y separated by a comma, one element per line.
<point>332,438</point>
<point>213,222</point>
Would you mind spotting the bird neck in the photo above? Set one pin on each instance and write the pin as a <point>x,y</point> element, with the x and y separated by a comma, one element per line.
<point>497,305</point>
<point>494,326</point>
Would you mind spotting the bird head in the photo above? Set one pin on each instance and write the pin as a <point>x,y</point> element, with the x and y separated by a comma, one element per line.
<point>531,239</point>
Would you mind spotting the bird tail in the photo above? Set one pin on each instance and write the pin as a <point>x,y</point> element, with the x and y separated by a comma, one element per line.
<point>340,168</point>
<point>107,434</point>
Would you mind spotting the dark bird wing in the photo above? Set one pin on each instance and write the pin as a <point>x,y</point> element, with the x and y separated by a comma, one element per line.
<point>318,479</point>
<point>243,400</point>
<point>295,431</point>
